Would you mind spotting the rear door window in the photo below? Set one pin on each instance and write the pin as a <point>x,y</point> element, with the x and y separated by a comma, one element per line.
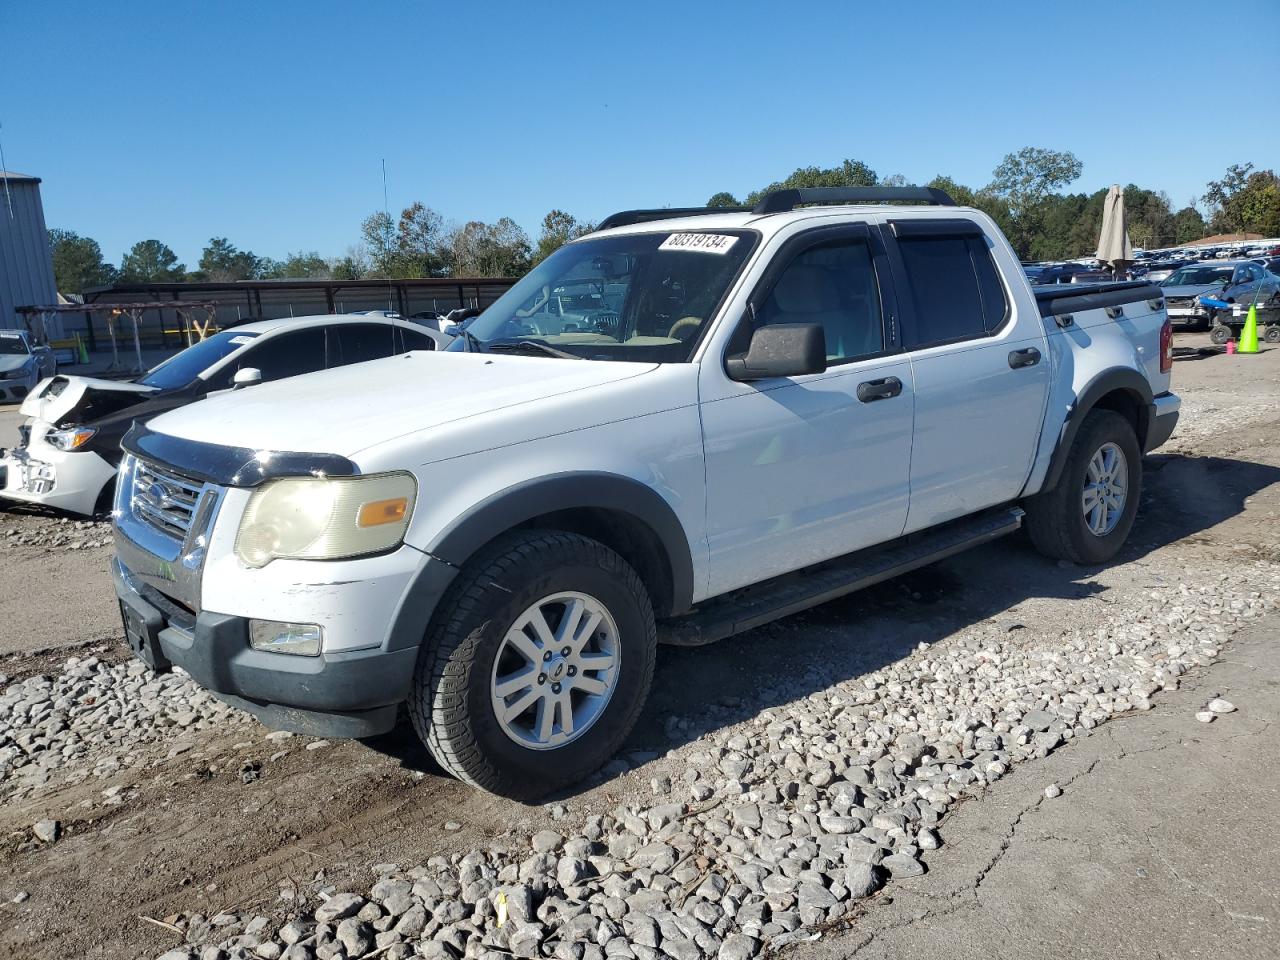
<point>287,355</point>
<point>358,342</point>
<point>414,340</point>
<point>953,283</point>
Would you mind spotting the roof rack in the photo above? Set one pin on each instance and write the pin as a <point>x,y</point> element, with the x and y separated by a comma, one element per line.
<point>780,201</point>
<point>626,217</point>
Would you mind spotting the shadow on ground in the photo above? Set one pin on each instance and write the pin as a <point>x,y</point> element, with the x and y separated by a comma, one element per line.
<point>696,690</point>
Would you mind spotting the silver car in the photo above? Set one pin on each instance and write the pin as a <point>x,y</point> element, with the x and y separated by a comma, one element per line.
<point>23,364</point>
<point>1236,281</point>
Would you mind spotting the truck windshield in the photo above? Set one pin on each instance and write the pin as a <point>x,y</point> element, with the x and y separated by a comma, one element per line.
<point>1197,276</point>
<point>180,369</point>
<point>641,296</point>
<point>12,343</point>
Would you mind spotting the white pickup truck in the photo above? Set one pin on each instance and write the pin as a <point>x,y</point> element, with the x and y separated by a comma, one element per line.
<point>682,426</point>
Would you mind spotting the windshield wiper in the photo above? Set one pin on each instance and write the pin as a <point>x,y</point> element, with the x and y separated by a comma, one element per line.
<point>528,346</point>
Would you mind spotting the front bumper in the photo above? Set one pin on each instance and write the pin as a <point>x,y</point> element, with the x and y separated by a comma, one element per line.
<point>1164,417</point>
<point>68,480</point>
<point>15,391</point>
<point>352,694</point>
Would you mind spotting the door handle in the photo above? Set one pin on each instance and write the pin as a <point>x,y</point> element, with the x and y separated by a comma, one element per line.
<point>873,390</point>
<point>1024,358</point>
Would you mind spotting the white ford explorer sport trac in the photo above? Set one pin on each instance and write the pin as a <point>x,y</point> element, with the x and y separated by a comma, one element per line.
<point>682,426</point>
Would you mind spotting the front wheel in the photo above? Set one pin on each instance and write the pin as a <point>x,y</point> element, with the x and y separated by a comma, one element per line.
<point>1220,334</point>
<point>538,665</point>
<point>1087,516</point>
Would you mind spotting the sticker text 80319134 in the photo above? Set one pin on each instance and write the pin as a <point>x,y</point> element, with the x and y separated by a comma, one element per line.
<point>699,242</point>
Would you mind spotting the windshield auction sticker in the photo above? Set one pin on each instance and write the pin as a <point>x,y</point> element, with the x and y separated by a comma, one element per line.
<point>700,242</point>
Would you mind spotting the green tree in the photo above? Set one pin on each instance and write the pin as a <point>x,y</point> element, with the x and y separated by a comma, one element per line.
<point>379,236</point>
<point>1245,200</point>
<point>1221,194</point>
<point>300,265</point>
<point>478,249</point>
<point>353,265</point>
<point>419,237</point>
<point>1188,225</point>
<point>724,199</point>
<point>558,228</point>
<point>850,173</point>
<point>1025,180</point>
<point>150,261</point>
<point>1259,203</point>
<point>77,262</point>
<point>222,262</point>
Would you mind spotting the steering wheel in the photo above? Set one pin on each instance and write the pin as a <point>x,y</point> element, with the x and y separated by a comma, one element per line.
<point>691,324</point>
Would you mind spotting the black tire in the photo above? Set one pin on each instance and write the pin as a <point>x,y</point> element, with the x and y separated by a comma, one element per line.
<point>1055,520</point>
<point>1220,334</point>
<point>1271,334</point>
<point>451,706</point>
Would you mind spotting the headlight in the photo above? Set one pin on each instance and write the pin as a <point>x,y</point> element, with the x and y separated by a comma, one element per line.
<point>325,519</point>
<point>20,373</point>
<point>69,439</point>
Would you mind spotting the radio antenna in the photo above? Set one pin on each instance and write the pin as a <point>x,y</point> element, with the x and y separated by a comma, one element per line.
<point>386,212</point>
<point>4,173</point>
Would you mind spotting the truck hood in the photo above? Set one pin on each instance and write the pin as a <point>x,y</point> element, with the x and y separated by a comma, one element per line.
<point>65,400</point>
<point>352,408</point>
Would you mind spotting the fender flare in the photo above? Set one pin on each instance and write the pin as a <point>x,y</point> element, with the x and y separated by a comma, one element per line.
<point>606,491</point>
<point>1123,379</point>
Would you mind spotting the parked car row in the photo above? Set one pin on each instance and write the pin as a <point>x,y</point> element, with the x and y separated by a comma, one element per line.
<point>1241,282</point>
<point>70,447</point>
<point>684,425</point>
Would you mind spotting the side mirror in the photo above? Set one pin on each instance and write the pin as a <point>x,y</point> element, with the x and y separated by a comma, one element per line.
<point>246,377</point>
<point>781,350</point>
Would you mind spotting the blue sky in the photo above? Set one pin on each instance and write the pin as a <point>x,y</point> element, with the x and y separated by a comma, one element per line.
<point>266,122</point>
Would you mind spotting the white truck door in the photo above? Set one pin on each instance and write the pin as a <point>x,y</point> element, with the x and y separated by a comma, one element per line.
<point>980,362</point>
<point>800,469</point>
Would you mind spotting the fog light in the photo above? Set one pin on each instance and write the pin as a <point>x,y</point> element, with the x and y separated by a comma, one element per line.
<point>301,639</point>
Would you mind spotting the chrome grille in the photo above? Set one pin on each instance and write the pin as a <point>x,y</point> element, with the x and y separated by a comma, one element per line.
<point>163,499</point>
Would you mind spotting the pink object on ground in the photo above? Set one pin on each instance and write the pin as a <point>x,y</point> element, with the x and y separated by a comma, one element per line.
<point>1231,347</point>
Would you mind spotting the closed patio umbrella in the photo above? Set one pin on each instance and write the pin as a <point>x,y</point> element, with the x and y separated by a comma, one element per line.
<point>1114,248</point>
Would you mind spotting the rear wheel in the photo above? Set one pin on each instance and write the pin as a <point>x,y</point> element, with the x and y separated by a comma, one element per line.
<point>1271,334</point>
<point>538,665</point>
<point>1220,334</point>
<point>1087,516</point>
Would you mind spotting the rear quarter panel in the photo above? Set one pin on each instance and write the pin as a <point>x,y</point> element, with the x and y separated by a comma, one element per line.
<point>1091,345</point>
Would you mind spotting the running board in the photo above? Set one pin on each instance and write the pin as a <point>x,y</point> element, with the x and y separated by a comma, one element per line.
<point>757,605</point>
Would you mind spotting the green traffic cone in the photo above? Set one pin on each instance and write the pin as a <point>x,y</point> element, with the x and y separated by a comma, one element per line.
<point>1249,335</point>
<point>82,351</point>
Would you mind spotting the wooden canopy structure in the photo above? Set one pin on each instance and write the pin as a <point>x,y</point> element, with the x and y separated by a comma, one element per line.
<point>199,318</point>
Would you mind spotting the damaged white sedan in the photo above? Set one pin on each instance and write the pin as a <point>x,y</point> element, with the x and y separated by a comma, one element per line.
<point>70,447</point>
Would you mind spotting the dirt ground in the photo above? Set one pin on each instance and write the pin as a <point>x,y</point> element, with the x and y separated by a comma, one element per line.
<point>191,834</point>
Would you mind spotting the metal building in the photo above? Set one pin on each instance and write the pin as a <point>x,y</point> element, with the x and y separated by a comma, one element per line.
<point>26,262</point>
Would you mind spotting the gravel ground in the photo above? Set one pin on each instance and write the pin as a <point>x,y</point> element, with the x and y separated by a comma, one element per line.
<point>777,826</point>
<point>821,769</point>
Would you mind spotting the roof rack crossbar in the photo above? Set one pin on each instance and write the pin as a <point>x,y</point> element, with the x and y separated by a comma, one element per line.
<point>780,201</point>
<point>626,217</point>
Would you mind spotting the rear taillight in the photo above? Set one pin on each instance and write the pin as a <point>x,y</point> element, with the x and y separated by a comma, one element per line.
<point>1166,346</point>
